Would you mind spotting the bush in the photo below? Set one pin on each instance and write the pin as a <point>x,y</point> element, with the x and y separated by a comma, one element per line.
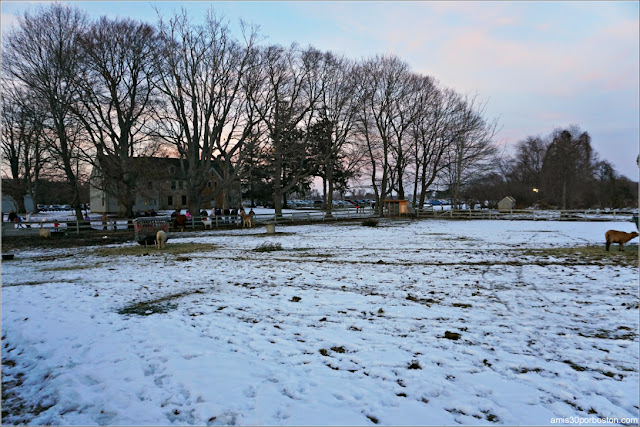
<point>370,222</point>
<point>268,247</point>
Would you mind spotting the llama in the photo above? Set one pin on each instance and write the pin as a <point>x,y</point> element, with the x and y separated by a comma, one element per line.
<point>45,232</point>
<point>614,236</point>
<point>161,239</point>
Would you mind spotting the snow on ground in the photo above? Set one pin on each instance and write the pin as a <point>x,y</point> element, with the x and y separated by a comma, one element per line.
<point>346,325</point>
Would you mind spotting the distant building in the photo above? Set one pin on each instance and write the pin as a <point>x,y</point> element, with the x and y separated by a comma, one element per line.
<point>160,185</point>
<point>506,204</point>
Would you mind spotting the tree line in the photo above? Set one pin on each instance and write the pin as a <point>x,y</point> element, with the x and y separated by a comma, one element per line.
<point>81,93</point>
<point>561,170</point>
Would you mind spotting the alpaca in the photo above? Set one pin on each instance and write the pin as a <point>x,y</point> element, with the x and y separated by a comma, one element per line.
<point>180,222</point>
<point>247,219</point>
<point>161,239</point>
<point>207,223</point>
<point>45,232</point>
<point>614,236</point>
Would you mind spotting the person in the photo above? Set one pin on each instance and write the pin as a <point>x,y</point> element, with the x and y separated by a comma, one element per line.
<point>252,213</point>
<point>226,212</point>
<point>104,221</point>
<point>188,215</point>
<point>137,214</point>
<point>204,214</point>
<point>28,219</point>
<point>234,215</point>
<point>86,216</point>
<point>153,213</point>
<point>13,217</point>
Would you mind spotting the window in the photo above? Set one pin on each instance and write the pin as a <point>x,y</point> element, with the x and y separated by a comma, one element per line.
<point>215,184</point>
<point>180,185</point>
<point>184,200</point>
<point>209,184</point>
<point>173,185</point>
<point>170,200</point>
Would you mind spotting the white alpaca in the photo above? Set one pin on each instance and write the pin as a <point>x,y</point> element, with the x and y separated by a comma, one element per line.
<point>45,232</point>
<point>207,223</point>
<point>161,239</point>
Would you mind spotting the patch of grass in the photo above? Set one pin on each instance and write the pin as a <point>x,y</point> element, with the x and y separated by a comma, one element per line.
<point>456,238</point>
<point>268,247</point>
<point>72,267</point>
<point>370,222</point>
<point>608,335</point>
<point>591,253</point>
<point>172,248</point>
<point>574,366</point>
<point>160,305</point>
<point>33,283</point>
<point>461,305</point>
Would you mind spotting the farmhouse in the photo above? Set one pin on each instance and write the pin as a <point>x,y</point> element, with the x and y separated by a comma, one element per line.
<point>160,185</point>
<point>506,204</point>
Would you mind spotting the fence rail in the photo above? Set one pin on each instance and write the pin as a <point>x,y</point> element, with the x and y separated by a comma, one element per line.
<point>27,228</point>
<point>195,223</point>
<point>530,214</point>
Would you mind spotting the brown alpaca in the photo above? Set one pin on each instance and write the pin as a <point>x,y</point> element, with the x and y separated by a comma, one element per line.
<point>247,219</point>
<point>180,222</point>
<point>614,236</point>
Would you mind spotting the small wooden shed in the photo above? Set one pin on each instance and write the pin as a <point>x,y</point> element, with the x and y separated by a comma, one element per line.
<point>396,207</point>
<point>506,204</point>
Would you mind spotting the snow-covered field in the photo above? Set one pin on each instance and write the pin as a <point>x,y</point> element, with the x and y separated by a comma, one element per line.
<point>410,323</point>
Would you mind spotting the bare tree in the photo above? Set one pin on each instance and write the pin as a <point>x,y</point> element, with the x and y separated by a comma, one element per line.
<point>204,115</point>
<point>385,116</point>
<point>338,108</point>
<point>114,105</point>
<point>472,150</point>
<point>43,53</point>
<point>22,143</point>
<point>286,99</point>
<point>432,136</point>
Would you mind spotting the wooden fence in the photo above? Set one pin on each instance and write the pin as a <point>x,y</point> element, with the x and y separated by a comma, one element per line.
<point>529,214</point>
<point>32,228</point>
<point>195,223</point>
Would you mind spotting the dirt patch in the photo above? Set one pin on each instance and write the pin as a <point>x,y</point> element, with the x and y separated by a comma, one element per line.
<point>589,254</point>
<point>139,250</point>
<point>68,240</point>
<point>73,267</point>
